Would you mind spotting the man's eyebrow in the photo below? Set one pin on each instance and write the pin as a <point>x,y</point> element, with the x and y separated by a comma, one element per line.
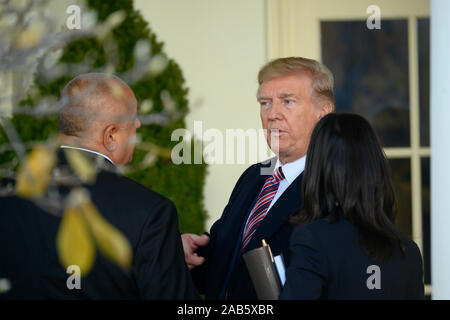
<point>286,95</point>
<point>263,98</point>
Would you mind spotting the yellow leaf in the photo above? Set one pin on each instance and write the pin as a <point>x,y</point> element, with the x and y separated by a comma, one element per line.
<point>111,241</point>
<point>81,165</point>
<point>28,38</point>
<point>35,173</point>
<point>74,243</point>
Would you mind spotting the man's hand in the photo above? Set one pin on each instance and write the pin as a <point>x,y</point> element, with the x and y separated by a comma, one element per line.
<point>190,243</point>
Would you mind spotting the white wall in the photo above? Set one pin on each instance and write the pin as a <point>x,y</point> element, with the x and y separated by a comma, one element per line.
<point>220,46</point>
<point>440,170</point>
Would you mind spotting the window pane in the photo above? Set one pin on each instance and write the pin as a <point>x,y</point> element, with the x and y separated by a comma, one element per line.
<point>401,175</point>
<point>423,33</point>
<point>426,194</point>
<point>371,74</point>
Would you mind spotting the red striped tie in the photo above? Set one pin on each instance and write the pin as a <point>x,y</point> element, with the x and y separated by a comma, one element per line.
<point>259,211</point>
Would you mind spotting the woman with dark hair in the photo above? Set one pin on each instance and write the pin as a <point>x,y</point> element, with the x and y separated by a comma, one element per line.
<point>346,245</point>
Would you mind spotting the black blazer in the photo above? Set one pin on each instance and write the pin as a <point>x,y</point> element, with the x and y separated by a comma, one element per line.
<point>224,273</point>
<point>327,263</point>
<point>29,260</point>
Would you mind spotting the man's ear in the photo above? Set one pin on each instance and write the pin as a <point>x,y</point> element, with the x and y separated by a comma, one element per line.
<point>325,109</point>
<point>109,138</point>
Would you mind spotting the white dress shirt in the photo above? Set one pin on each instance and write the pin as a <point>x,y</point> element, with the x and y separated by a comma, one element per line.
<point>291,171</point>
<point>91,151</point>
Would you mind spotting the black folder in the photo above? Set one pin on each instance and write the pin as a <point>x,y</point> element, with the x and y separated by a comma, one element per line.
<point>263,273</point>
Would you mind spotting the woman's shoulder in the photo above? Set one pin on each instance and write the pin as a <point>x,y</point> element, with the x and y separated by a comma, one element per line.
<point>334,223</point>
<point>326,234</point>
<point>412,249</point>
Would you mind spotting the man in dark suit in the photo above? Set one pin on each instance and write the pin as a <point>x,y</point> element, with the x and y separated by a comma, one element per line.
<point>97,117</point>
<point>294,93</point>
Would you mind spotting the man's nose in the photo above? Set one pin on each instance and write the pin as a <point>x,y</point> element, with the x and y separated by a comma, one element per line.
<point>275,111</point>
<point>138,123</point>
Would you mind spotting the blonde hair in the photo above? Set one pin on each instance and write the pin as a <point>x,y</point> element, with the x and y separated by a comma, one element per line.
<point>321,76</point>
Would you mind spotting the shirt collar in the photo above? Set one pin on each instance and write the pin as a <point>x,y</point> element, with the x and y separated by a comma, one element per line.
<point>91,151</point>
<point>292,170</point>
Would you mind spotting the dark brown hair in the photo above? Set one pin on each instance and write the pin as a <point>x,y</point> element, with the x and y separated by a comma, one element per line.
<point>347,171</point>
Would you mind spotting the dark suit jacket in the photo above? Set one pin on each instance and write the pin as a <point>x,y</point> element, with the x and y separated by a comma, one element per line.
<point>224,273</point>
<point>327,263</point>
<point>29,260</point>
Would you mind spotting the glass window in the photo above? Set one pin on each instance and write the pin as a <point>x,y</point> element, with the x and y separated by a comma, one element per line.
<point>426,194</point>
<point>423,35</point>
<point>371,74</point>
<point>401,176</point>
<point>371,70</point>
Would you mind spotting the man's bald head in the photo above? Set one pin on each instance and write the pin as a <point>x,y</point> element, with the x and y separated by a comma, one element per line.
<point>92,97</point>
<point>98,111</point>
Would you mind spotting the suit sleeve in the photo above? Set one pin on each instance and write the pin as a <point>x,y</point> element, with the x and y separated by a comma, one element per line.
<point>160,268</point>
<point>306,274</point>
<point>199,273</point>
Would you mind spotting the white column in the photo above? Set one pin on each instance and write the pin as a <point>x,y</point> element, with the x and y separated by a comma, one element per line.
<point>440,146</point>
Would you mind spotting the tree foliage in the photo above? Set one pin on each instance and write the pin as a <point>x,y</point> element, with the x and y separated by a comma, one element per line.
<point>183,184</point>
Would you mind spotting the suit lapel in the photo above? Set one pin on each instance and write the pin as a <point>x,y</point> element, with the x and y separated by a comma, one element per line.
<point>252,189</point>
<point>245,199</point>
<point>281,211</point>
<point>234,221</point>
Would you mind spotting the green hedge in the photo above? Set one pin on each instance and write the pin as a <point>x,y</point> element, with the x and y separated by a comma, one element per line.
<point>183,184</point>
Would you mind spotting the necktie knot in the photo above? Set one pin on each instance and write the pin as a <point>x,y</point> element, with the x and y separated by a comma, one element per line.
<point>278,174</point>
